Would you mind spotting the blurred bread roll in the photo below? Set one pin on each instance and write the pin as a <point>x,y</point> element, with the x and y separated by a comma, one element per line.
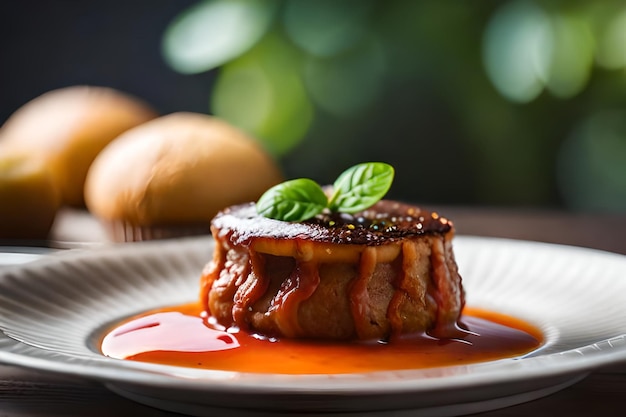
<point>68,127</point>
<point>170,176</point>
<point>28,198</point>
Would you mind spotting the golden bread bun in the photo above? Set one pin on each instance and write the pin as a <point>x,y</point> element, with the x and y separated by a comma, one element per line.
<point>28,197</point>
<point>68,127</point>
<point>176,170</point>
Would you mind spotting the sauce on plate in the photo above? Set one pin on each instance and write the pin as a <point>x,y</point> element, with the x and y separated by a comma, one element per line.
<point>186,336</point>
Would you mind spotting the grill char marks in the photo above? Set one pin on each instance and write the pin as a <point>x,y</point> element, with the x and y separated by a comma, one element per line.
<point>387,221</point>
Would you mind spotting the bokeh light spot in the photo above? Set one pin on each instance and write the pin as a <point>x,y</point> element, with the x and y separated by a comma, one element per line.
<point>213,32</point>
<point>326,27</point>
<point>572,56</point>
<point>250,82</point>
<point>262,93</point>
<point>516,50</point>
<point>611,52</point>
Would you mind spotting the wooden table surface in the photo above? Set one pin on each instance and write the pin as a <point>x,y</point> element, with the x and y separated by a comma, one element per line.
<point>26,392</point>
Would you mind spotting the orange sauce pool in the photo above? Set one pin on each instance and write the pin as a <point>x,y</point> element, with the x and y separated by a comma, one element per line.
<point>183,336</point>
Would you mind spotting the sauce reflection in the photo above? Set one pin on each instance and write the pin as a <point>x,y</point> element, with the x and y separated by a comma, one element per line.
<point>185,336</point>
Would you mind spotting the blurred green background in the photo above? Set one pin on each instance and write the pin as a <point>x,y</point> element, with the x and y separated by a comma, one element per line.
<point>494,103</point>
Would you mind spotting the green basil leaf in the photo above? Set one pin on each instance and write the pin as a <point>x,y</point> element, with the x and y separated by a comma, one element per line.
<point>293,201</point>
<point>361,186</point>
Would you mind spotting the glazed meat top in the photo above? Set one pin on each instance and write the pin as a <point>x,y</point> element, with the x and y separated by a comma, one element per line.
<point>385,222</point>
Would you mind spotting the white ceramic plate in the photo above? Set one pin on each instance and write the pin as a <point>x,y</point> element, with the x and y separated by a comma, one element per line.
<point>52,312</point>
<point>15,255</point>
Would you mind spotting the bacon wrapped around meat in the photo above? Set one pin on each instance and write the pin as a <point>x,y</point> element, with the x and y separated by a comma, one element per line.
<point>380,273</point>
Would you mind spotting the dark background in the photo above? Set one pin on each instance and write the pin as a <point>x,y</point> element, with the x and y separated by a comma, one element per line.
<point>452,138</point>
<point>52,44</point>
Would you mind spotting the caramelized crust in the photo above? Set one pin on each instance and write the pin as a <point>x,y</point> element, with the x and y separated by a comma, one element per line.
<point>380,273</point>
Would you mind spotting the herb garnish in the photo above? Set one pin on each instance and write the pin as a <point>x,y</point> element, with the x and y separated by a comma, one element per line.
<point>356,189</point>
